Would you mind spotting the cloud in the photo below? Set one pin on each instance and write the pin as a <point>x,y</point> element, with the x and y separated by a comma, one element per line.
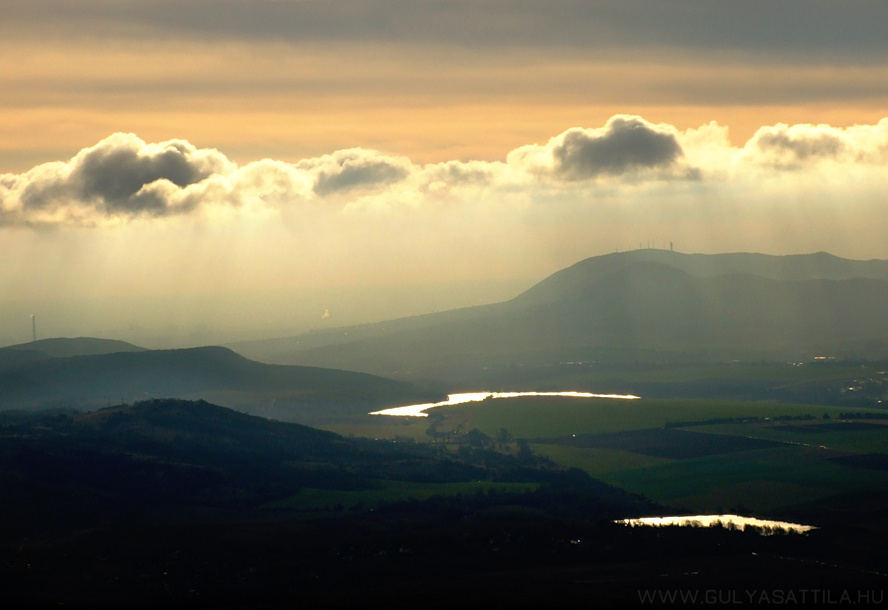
<point>355,170</point>
<point>628,161</point>
<point>627,144</point>
<point>793,147</point>
<point>787,147</point>
<point>119,168</point>
<point>121,176</point>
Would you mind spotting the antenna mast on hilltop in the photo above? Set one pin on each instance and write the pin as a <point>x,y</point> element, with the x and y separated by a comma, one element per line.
<point>33,327</point>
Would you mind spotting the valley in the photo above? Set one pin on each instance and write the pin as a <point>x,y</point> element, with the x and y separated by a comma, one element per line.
<point>205,477</point>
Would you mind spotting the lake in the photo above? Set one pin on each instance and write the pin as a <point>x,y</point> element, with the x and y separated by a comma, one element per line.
<point>737,521</point>
<point>457,399</point>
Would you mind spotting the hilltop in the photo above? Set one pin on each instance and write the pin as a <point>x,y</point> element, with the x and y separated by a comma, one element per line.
<point>63,347</point>
<point>162,454</point>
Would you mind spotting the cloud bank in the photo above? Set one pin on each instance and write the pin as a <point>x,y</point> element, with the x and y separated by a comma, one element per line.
<point>430,79</point>
<point>123,178</point>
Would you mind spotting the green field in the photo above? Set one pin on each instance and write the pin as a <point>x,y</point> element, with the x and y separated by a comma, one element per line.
<point>597,462</point>
<point>696,455</point>
<point>771,470</point>
<point>534,417</point>
<point>784,373</point>
<point>708,455</point>
<point>857,437</point>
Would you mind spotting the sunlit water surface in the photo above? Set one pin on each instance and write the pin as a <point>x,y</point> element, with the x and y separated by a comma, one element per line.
<point>736,521</point>
<point>456,399</point>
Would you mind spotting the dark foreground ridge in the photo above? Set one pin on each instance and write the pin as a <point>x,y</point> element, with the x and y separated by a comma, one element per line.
<point>185,504</point>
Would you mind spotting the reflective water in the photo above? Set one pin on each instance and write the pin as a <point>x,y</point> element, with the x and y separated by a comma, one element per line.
<point>456,399</point>
<point>736,521</point>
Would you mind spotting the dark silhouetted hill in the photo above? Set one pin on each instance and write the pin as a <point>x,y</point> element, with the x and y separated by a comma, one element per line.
<point>169,458</point>
<point>179,504</point>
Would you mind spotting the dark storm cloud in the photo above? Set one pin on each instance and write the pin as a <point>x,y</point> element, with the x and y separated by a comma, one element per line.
<point>117,176</point>
<point>822,27</point>
<point>626,144</point>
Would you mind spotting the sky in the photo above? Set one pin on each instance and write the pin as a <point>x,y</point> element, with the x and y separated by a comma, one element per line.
<point>186,172</point>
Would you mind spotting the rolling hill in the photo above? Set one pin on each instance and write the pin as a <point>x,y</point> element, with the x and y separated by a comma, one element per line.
<point>182,504</point>
<point>641,305</point>
<point>62,348</point>
<point>292,393</point>
<point>168,453</point>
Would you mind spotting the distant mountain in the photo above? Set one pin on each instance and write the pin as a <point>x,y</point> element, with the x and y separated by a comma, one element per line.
<point>285,392</point>
<point>795,268</point>
<point>63,348</point>
<point>639,304</point>
<point>80,346</point>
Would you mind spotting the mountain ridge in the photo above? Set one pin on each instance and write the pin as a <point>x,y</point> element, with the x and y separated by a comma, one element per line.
<point>742,305</point>
<point>61,347</point>
<point>794,267</point>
